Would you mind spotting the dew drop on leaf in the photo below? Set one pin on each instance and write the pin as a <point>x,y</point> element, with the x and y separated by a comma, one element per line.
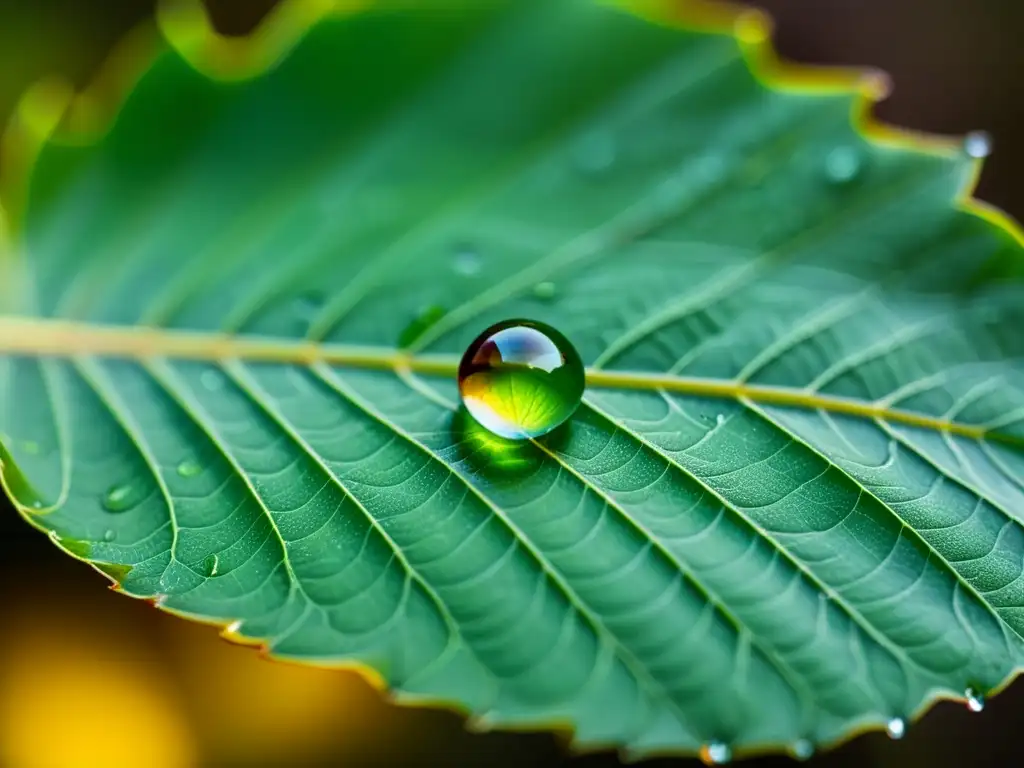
<point>521,379</point>
<point>211,565</point>
<point>467,260</point>
<point>544,291</point>
<point>109,535</point>
<point>716,753</point>
<point>978,144</point>
<point>896,728</point>
<point>189,468</point>
<point>803,749</point>
<point>843,164</point>
<point>118,498</point>
<point>975,700</point>
<point>719,419</point>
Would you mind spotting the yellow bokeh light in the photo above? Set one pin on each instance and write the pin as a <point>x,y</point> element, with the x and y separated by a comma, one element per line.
<point>250,708</point>
<point>85,701</point>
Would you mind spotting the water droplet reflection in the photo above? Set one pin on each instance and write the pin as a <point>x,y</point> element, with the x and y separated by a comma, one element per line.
<point>520,379</point>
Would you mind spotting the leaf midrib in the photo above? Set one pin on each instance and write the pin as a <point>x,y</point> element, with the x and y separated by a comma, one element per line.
<point>42,338</point>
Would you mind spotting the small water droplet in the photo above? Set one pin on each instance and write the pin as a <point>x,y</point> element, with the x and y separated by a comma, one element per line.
<point>975,700</point>
<point>211,565</point>
<point>212,380</point>
<point>719,419</point>
<point>896,728</point>
<point>31,447</point>
<point>843,164</point>
<point>467,260</point>
<point>544,291</point>
<point>118,498</point>
<point>37,504</point>
<point>189,468</point>
<point>520,379</point>
<point>594,153</point>
<point>109,535</point>
<point>803,749</point>
<point>978,144</point>
<point>716,753</point>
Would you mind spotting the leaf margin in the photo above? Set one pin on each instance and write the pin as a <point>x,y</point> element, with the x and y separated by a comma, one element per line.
<point>52,112</point>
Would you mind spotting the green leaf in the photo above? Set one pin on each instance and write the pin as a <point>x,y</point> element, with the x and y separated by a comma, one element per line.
<point>789,506</point>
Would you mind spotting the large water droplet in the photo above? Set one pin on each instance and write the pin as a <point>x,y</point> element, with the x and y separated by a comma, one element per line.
<point>521,379</point>
<point>975,700</point>
<point>803,749</point>
<point>119,498</point>
<point>211,565</point>
<point>467,260</point>
<point>594,153</point>
<point>896,728</point>
<point>716,753</point>
<point>843,164</point>
<point>189,468</point>
<point>978,144</point>
<point>545,291</point>
<point>109,536</point>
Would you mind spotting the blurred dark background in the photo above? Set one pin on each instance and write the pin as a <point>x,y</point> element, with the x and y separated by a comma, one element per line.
<point>91,678</point>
